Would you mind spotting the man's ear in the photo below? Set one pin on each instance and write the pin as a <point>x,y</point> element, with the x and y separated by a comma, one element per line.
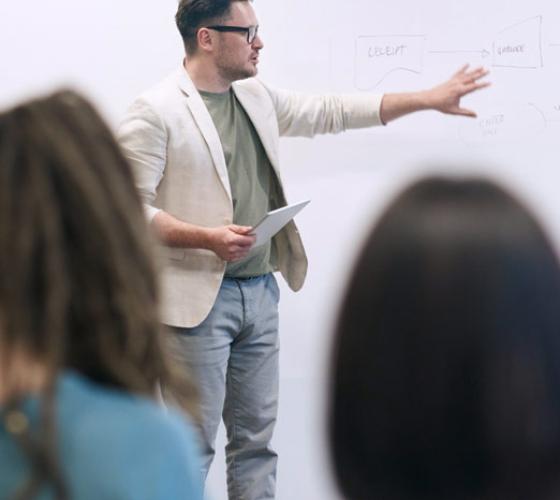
<point>205,40</point>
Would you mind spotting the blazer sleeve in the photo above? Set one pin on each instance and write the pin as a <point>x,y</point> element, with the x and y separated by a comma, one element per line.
<point>143,139</point>
<point>301,114</point>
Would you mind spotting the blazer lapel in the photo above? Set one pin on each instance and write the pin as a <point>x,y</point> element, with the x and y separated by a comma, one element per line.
<point>206,126</point>
<point>253,106</point>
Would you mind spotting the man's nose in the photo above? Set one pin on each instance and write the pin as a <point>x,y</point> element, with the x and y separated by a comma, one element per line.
<point>258,43</point>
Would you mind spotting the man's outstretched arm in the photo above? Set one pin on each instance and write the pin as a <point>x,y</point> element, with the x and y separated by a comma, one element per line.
<point>445,97</point>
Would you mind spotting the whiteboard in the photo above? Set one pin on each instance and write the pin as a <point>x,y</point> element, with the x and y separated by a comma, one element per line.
<point>114,50</point>
<point>373,46</point>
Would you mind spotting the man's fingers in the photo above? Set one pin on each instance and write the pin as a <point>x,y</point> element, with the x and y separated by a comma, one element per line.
<point>468,77</point>
<point>471,87</point>
<point>241,245</point>
<point>245,241</point>
<point>241,238</point>
<point>480,85</point>
<point>474,77</point>
<point>462,70</point>
<point>241,229</point>
<point>476,71</point>
<point>238,254</point>
<point>464,112</point>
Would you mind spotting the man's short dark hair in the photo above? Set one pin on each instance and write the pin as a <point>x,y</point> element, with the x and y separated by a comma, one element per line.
<point>194,14</point>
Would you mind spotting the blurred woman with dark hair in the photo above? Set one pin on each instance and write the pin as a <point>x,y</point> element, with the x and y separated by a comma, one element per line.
<point>446,361</point>
<point>80,348</point>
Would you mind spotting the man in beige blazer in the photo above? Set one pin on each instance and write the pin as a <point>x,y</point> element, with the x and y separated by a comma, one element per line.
<point>203,144</point>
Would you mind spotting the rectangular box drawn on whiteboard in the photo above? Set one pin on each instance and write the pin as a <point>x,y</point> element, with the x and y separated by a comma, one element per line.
<point>520,45</point>
<point>379,56</point>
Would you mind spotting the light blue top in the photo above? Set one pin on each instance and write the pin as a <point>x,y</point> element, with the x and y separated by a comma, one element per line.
<point>113,446</point>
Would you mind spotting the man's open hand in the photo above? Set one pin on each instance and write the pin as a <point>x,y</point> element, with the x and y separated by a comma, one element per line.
<point>446,97</point>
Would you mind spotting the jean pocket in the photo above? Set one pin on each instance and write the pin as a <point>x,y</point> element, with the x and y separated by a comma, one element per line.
<point>272,285</point>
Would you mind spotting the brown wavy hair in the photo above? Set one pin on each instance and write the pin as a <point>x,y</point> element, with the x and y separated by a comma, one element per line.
<point>78,287</point>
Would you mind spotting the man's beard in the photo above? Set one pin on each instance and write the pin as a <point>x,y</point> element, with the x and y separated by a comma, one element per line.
<point>232,74</point>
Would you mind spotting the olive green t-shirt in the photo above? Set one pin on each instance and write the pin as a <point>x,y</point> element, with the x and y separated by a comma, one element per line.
<point>250,175</point>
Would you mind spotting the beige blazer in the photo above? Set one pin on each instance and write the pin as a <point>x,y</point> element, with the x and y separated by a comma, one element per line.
<point>177,158</point>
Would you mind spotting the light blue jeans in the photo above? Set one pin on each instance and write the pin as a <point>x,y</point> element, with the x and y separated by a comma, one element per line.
<point>233,355</point>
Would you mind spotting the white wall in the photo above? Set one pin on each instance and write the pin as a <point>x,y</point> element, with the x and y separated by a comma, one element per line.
<point>114,50</point>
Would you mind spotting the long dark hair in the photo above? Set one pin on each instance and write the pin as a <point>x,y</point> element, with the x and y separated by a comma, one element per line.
<point>446,360</point>
<point>77,283</point>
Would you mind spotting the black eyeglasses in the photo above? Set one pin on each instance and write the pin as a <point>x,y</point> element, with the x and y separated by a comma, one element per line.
<point>250,30</point>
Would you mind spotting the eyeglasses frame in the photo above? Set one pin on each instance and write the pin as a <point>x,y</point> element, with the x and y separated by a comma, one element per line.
<point>237,29</point>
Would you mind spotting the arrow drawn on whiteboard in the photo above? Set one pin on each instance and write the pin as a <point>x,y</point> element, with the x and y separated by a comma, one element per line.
<point>482,52</point>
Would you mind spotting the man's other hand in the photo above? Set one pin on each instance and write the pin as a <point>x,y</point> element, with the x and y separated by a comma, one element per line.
<point>230,243</point>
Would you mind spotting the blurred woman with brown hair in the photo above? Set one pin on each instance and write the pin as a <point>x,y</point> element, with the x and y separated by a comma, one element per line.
<point>80,348</point>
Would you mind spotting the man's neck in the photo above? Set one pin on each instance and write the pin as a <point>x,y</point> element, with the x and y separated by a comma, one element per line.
<point>205,77</point>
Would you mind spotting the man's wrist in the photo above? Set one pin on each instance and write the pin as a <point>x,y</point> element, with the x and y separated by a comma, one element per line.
<point>203,238</point>
<point>423,100</point>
